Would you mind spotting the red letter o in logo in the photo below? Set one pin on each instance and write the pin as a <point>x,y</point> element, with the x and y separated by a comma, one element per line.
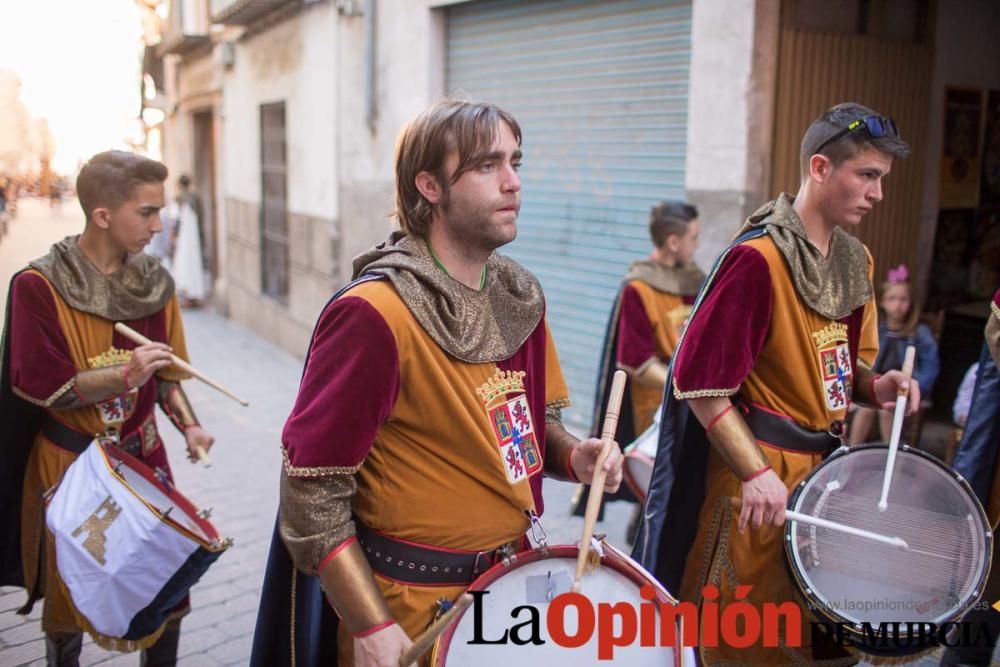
<point>555,620</point>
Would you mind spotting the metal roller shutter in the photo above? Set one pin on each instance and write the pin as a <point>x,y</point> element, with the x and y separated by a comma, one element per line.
<point>600,90</point>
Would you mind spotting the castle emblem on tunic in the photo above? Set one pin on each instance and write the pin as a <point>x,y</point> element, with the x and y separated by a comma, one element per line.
<point>835,365</point>
<point>512,425</point>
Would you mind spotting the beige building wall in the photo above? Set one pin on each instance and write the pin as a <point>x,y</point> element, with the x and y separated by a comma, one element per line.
<point>340,146</point>
<point>734,50</point>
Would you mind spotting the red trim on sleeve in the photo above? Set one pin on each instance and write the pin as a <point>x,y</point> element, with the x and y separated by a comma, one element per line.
<point>348,388</point>
<point>718,417</point>
<point>373,630</point>
<point>336,550</point>
<point>728,330</point>
<point>636,341</point>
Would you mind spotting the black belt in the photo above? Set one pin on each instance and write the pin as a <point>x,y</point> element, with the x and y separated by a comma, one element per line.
<point>420,564</point>
<point>75,441</point>
<point>783,432</point>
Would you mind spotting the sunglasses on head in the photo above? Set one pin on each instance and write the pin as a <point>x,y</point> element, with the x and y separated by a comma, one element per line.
<point>877,127</point>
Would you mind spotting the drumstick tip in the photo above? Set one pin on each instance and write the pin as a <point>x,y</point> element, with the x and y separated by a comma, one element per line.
<point>203,457</point>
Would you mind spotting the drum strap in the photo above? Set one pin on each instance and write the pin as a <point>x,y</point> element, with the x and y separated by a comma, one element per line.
<point>784,433</point>
<point>423,565</point>
<point>137,443</point>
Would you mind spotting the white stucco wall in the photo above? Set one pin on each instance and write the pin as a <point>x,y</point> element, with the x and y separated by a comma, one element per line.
<point>295,63</point>
<point>730,114</point>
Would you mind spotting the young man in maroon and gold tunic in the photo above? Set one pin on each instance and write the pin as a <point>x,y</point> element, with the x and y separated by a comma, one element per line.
<point>645,324</point>
<point>67,375</point>
<point>779,344</point>
<point>429,407</point>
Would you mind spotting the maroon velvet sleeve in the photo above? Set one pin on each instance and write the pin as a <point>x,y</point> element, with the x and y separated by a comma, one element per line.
<point>636,344</point>
<point>40,362</point>
<point>728,330</point>
<point>349,386</point>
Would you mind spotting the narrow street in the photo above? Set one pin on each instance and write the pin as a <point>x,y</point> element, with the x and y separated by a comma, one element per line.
<point>241,485</point>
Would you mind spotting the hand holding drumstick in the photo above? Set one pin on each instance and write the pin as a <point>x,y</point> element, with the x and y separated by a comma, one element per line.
<point>150,357</point>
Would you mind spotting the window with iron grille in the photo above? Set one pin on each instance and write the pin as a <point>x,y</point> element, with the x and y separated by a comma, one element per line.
<point>274,202</point>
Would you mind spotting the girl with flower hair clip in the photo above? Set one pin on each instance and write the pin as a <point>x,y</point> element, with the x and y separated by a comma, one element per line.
<point>899,326</point>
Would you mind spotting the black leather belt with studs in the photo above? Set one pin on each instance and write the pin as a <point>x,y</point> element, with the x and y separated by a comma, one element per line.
<point>412,563</point>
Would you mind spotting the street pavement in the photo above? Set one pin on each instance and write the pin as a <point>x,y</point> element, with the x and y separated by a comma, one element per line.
<point>242,483</point>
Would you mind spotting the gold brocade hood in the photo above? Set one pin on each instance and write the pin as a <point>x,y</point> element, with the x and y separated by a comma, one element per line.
<point>680,280</point>
<point>139,289</point>
<point>834,285</point>
<point>473,326</point>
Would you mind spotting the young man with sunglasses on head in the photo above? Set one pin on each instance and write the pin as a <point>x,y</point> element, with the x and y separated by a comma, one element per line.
<point>781,342</point>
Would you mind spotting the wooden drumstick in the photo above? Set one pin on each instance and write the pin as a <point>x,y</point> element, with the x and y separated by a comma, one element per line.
<point>137,337</point>
<point>597,483</point>
<point>810,520</point>
<point>426,640</point>
<point>202,455</point>
<point>897,428</point>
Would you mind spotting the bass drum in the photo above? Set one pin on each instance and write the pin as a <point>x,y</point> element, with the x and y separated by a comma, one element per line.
<point>536,577</point>
<point>855,581</point>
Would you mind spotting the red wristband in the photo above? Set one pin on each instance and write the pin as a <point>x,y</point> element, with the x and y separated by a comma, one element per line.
<point>569,466</point>
<point>125,379</point>
<point>874,397</point>
<point>374,629</point>
<point>758,473</point>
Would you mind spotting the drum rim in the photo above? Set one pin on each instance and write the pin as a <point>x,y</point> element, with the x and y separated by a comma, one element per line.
<point>215,542</point>
<point>528,556</point>
<point>627,475</point>
<point>829,614</point>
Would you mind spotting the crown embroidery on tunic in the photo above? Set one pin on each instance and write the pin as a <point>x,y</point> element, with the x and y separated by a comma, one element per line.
<point>110,357</point>
<point>513,427</point>
<point>501,384</point>
<point>835,331</point>
<point>836,369</point>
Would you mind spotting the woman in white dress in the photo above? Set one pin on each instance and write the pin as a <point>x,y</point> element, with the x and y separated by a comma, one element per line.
<point>187,269</point>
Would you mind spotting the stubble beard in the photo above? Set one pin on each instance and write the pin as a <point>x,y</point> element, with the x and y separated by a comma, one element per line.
<point>472,227</point>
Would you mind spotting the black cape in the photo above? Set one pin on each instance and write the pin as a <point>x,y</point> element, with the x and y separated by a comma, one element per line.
<point>626,425</point>
<point>19,422</point>
<point>677,488</point>
<point>294,618</point>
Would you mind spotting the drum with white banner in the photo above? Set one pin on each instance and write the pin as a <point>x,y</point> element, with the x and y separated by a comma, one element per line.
<point>128,545</point>
<point>520,606</point>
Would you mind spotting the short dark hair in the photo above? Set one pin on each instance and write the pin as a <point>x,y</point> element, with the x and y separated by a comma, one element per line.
<point>184,180</point>
<point>832,121</point>
<point>109,177</point>
<point>451,124</point>
<point>670,218</point>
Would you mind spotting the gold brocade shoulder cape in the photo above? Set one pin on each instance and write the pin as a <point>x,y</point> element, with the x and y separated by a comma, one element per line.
<point>470,325</point>
<point>834,285</point>
<point>139,289</point>
<point>683,280</point>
